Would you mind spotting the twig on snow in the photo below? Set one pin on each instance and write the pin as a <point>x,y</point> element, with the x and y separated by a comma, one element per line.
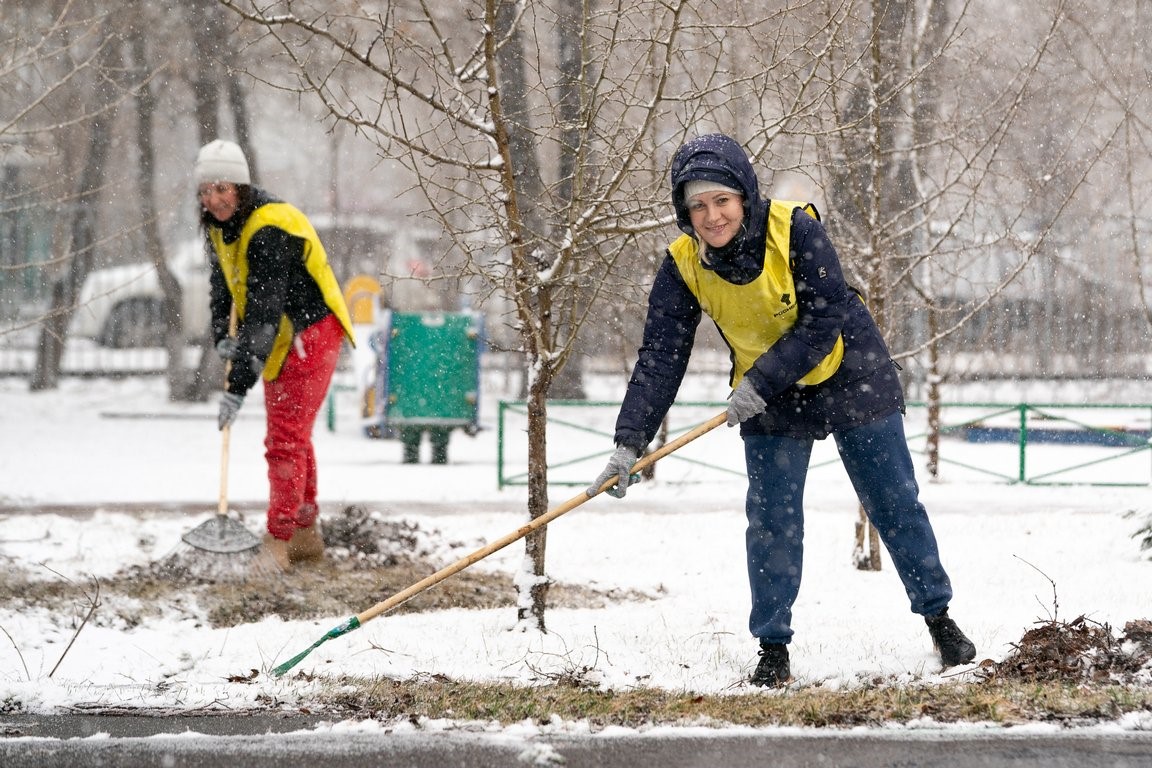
<point>1055,602</point>
<point>93,604</point>
<point>27,674</point>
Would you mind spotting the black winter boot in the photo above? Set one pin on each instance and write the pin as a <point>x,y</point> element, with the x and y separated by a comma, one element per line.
<point>773,671</point>
<point>953,645</point>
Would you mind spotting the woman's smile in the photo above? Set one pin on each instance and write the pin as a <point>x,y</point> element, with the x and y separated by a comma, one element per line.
<point>716,216</point>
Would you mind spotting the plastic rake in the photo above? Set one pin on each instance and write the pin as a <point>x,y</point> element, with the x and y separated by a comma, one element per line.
<point>398,599</point>
<point>222,535</point>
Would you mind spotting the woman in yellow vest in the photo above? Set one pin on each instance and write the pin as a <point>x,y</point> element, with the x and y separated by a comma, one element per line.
<point>271,271</point>
<point>808,361</point>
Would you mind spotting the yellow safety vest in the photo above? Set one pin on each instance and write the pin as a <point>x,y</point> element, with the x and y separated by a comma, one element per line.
<point>233,259</point>
<point>754,316</point>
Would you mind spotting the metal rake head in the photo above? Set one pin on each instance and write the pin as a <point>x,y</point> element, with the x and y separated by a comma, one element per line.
<point>222,535</point>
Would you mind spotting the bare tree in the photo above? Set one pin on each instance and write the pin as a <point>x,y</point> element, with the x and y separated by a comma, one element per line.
<point>956,155</point>
<point>545,160</point>
<point>106,61</point>
<point>537,134</point>
<point>99,62</point>
<point>929,222</point>
<point>216,93</point>
<point>170,287</point>
<point>35,70</point>
<point>1108,52</point>
<point>925,198</point>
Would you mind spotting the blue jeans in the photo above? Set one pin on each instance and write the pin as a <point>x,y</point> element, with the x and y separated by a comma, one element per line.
<point>879,464</point>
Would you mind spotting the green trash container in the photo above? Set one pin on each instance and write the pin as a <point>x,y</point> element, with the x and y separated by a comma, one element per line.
<point>428,374</point>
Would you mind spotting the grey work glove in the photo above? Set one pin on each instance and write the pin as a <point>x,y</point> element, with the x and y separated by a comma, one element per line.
<point>226,348</point>
<point>619,467</point>
<point>745,403</point>
<point>229,407</point>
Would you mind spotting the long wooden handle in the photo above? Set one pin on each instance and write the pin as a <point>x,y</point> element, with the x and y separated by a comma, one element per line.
<point>226,433</point>
<point>402,597</point>
<point>222,502</point>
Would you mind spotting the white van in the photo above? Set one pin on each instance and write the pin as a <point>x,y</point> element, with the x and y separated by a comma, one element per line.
<point>122,306</point>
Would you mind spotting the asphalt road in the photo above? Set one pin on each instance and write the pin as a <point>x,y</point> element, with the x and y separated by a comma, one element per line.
<point>247,741</point>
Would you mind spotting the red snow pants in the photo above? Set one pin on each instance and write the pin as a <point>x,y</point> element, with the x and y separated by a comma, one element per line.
<point>292,401</point>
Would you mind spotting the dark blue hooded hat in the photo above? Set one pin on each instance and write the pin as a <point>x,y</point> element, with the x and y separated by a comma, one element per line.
<point>713,157</point>
<point>719,158</point>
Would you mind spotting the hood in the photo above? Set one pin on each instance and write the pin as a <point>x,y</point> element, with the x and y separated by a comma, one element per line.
<point>719,158</point>
<point>713,157</point>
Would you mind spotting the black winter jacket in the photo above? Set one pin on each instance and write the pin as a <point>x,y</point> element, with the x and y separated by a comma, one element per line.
<point>278,284</point>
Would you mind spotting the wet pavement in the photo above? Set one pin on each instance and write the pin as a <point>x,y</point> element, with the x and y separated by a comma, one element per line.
<point>255,740</point>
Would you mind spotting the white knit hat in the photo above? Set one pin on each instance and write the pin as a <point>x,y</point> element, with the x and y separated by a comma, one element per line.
<point>700,186</point>
<point>221,161</point>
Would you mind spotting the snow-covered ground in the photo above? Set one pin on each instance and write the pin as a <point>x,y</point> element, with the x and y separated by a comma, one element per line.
<point>1017,554</point>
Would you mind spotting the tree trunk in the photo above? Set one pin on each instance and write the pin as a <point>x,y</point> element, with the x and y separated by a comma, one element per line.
<point>82,235</point>
<point>891,189</point>
<point>926,118</point>
<point>211,37</point>
<point>206,27</point>
<point>170,287</point>
<point>239,106</point>
<point>933,395</point>
<point>866,553</point>
<point>568,383</point>
<point>525,187</point>
<point>533,582</point>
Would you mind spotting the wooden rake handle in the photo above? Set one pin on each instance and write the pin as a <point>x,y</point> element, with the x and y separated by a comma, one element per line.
<point>226,433</point>
<point>403,596</point>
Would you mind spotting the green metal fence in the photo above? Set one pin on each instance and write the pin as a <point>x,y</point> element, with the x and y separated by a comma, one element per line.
<point>1097,444</point>
<point>508,469</point>
<point>1101,434</point>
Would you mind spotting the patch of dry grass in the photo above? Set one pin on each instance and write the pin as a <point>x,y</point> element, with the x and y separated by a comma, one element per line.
<point>1002,703</point>
<point>1068,673</point>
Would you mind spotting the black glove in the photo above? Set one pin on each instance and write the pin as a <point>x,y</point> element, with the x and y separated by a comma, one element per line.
<point>253,345</point>
<point>244,373</point>
<point>229,407</point>
<point>619,467</point>
<point>745,403</point>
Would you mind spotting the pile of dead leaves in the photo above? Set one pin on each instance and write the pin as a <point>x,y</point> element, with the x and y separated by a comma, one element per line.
<point>372,540</point>
<point>1078,651</point>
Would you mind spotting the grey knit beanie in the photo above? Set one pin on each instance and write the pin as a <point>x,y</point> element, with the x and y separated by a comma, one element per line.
<point>221,161</point>
<point>700,186</point>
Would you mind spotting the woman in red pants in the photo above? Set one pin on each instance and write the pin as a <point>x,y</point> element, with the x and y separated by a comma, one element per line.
<point>271,269</point>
